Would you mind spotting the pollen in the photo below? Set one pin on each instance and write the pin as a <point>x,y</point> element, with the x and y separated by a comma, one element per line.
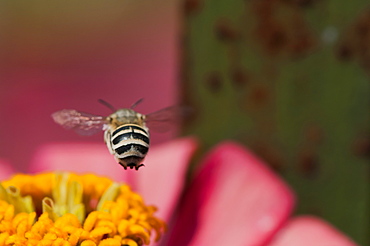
<point>69,209</point>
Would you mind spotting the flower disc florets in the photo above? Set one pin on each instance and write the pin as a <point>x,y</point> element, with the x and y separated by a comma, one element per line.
<point>69,209</point>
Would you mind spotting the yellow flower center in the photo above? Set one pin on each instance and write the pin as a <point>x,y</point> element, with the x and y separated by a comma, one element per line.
<point>69,209</point>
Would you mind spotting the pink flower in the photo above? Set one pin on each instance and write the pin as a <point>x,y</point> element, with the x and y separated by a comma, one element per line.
<point>234,198</point>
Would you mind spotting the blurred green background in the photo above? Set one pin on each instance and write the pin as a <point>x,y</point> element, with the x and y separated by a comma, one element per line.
<point>290,79</point>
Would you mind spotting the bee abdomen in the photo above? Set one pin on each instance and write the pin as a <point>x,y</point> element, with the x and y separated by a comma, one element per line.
<point>130,140</point>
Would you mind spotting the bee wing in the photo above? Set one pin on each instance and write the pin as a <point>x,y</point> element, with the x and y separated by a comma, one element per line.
<point>163,119</point>
<point>80,122</point>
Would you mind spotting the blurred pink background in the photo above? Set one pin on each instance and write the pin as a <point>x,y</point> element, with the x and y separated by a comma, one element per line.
<point>69,54</point>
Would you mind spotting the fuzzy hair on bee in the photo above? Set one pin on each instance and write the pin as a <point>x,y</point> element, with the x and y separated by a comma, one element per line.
<point>126,131</point>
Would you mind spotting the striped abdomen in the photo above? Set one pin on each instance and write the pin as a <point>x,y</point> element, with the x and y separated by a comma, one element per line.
<point>129,143</point>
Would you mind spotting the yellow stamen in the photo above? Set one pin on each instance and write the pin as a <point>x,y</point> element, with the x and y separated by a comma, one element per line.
<point>69,209</point>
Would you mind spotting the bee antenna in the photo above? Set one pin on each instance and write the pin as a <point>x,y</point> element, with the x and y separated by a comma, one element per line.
<point>105,103</point>
<point>136,103</point>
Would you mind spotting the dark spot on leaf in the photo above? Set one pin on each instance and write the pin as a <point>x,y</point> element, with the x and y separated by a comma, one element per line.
<point>277,39</point>
<point>260,95</point>
<point>344,53</point>
<point>361,147</point>
<point>214,81</point>
<point>354,43</point>
<point>224,30</point>
<point>269,154</point>
<point>306,3</point>
<point>362,28</point>
<point>308,164</point>
<point>192,6</point>
<point>239,77</point>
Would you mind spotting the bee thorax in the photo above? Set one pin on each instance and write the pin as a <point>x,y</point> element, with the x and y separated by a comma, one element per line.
<point>126,116</point>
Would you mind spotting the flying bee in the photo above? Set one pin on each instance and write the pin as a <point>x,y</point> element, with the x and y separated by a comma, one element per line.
<point>126,131</point>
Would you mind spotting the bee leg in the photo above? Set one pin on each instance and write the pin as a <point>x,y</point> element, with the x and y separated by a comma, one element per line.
<point>131,165</point>
<point>137,167</point>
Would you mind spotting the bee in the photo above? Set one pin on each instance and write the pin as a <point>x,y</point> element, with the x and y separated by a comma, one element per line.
<point>126,131</point>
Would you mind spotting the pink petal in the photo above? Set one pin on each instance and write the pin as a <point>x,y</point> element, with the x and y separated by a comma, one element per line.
<point>235,200</point>
<point>162,179</point>
<point>5,170</point>
<point>308,231</point>
<point>79,158</point>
